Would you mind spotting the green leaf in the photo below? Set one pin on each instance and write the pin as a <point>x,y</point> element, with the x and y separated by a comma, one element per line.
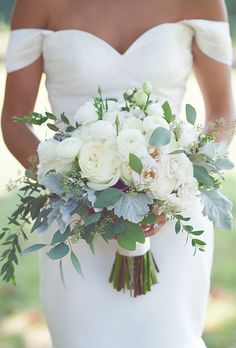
<point>76,263</point>
<point>149,219</point>
<point>224,164</point>
<point>50,116</point>
<point>176,152</point>
<point>52,127</point>
<point>65,119</point>
<point>108,197</point>
<point>135,163</point>
<point>62,273</point>
<point>59,237</point>
<point>197,242</point>
<point>177,227</point>
<point>36,205</point>
<point>30,174</point>
<point>33,248</point>
<point>202,176</point>
<point>169,117</point>
<point>125,242</point>
<point>58,251</point>
<point>191,114</point>
<point>197,233</point>
<point>160,136</point>
<point>119,227</point>
<point>134,231</point>
<point>91,219</point>
<point>188,228</point>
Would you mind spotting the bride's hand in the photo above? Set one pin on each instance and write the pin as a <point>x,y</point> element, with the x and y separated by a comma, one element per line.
<point>151,230</point>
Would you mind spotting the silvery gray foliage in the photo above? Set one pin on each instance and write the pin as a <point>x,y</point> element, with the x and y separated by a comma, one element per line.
<point>43,216</point>
<point>54,182</point>
<point>61,212</point>
<point>218,209</point>
<point>132,206</point>
<point>208,149</point>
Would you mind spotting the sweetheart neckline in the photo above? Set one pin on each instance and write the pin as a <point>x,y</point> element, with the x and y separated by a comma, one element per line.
<point>132,45</point>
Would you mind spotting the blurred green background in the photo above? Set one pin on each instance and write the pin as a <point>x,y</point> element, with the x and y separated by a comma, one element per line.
<point>21,321</point>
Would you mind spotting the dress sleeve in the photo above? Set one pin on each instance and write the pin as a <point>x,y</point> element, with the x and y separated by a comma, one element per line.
<point>213,38</point>
<point>24,47</point>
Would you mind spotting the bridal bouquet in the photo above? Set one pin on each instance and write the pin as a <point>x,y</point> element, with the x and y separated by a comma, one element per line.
<point>108,172</point>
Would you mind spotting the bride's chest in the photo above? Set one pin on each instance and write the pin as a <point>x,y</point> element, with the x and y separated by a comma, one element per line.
<point>163,52</point>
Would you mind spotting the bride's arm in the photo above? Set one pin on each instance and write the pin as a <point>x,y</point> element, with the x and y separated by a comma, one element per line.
<point>214,79</point>
<point>22,88</point>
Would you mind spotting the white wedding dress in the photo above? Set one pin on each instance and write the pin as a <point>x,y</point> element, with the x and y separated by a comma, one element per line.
<point>90,314</point>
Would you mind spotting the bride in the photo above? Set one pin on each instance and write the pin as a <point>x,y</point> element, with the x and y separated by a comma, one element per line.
<point>80,45</point>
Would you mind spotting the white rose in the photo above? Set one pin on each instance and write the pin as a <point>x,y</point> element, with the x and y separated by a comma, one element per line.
<point>155,109</point>
<point>131,141</point>
<point>164,184</point>
<point>188,135</point>
<point>180,168</point>
<point>140,98</point>
<point>98,164</point>
<point>83,133</point>
<point>132,123</point>
<point>185,196</point>
<point>68,149</point>
<point>47,150</point>
<point>86,113</point>
<point>150,123</point>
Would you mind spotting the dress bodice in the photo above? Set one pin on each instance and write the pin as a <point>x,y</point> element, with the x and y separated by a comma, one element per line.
<point>76,62</point>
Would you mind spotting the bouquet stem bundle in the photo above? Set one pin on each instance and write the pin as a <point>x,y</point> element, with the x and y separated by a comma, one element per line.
<point>134,273</point>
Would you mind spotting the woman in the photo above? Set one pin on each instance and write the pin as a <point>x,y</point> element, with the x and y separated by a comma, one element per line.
<point>81,45</point>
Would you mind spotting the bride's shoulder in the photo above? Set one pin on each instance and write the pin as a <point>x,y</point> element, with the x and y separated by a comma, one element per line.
<point>30,14</point>
<point>205,9</point>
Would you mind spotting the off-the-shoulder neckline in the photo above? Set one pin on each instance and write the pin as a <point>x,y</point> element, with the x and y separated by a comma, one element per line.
<point>141,36</point>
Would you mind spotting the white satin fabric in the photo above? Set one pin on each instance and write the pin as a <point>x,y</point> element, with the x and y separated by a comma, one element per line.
<point>91,314</point>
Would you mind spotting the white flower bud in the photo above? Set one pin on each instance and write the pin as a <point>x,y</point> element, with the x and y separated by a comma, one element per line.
<point>147,87</point>
<point>140,98</point>
<point>130,91</point>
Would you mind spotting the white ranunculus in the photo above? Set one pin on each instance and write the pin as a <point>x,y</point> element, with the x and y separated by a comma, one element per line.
<point>86,113</point>
<point>83,133</point>
<point>115,117</point>
<point>132,123</point>
<point>188,135</point>
<point>98,164</point>
<point>164,184</point>
<point>185,196</point>
<point>68,149</point>
<point>131,141</point>
<point>150,123</point>
<point>155,109</point>
<point>180,168</point>
<point>47,150</point>
<point>102,130</point>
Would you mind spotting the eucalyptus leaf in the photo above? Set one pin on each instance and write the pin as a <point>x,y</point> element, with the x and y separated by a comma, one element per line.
<point>126,242</point>
<point>160,136</point>
<point>58,251</point>
<point>33,248</point>
<point>191,114</point>
<point>135,163</point>
<point>108,197</point>
<point>59,237</point>
<point>76,263</point>
<point>150,218</point>
<point>91,219</point>
<point>202,176</point>
<point>224,164</point>
<point>134,231</point>
<point>169,117</point>
<point>217,208</point>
